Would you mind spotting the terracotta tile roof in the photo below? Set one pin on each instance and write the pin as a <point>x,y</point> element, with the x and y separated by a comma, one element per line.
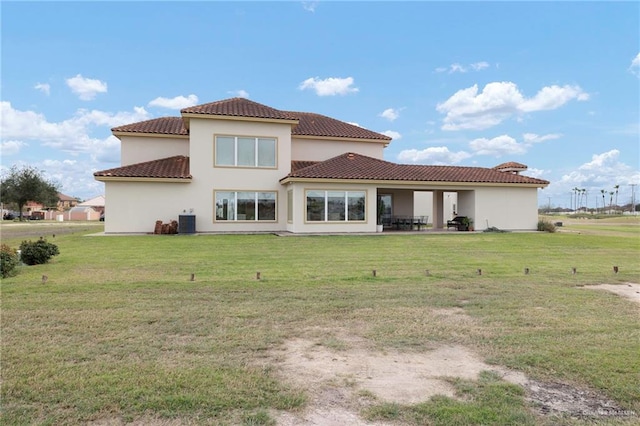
<point>163,125</point>
<point>319,125</point>
<point>511,165</point>
<point>239,107</point>
<point>298,164</point>
<point>309,124</point>
<point>360,167</point>
<point>168,168</point>
<point>63,197</point>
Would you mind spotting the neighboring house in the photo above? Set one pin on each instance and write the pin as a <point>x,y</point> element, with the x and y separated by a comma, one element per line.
<point>97,203</point>
<point>66,202</point>
<point>240,166</point>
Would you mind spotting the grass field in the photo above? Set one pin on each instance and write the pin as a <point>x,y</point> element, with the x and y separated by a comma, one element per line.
<point>120,333</point>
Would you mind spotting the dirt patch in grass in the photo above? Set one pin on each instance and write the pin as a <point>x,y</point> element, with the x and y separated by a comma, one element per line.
<point>558,398</point>
<point>628,290</point>
<point>344,375</point>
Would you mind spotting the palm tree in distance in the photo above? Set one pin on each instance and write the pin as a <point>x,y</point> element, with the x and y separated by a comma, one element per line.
<point>584,195</point>
<point>603,206</point>
<point>610,201</point>
<point>616,188</point>
<point>575,192</point>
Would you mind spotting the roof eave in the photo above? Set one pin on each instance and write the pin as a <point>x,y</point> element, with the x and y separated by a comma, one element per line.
<point>347,139</point>
<point>142,179</point>
<point>290,179</point>
<point>120,133</point>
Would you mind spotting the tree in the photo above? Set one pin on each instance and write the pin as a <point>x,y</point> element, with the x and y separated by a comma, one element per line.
<point>610,201</point>
<point>616,188</point>
<point>576,191</point>
<point>603,201</point>
<point>27,184</point>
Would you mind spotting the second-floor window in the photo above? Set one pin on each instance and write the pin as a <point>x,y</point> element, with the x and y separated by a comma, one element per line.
<point>243,151</point>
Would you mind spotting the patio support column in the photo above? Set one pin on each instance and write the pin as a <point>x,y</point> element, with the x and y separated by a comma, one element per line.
<point>438,209</point>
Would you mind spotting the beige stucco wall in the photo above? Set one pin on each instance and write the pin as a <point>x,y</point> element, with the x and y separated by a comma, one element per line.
<point>207,178</point>
<point>133,207</point>
<point>319,150</point>
<point>137,149</point>
<point>505,208</point>
<point>423,204</point>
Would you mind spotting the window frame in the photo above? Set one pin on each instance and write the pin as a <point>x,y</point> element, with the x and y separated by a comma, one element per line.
<point>328,210</point>
<point>238,157</point>
<point>258,201</point>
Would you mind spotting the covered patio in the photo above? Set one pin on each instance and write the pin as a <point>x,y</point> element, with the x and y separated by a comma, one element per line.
<point>419,209</point>
<point>410,198</point>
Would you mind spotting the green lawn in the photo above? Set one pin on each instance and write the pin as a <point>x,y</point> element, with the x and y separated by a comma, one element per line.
<point>119,331</point>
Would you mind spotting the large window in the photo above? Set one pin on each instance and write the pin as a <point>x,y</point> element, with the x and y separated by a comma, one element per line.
<point>335,206</point>
<point>235,151</point>
<point>243,205</point>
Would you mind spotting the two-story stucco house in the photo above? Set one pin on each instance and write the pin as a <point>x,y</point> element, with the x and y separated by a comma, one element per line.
<point>240,166</point>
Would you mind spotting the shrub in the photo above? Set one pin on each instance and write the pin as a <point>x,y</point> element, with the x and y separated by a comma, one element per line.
<point>37,253</point>
<point>9,260</point>
<point>545,225</point>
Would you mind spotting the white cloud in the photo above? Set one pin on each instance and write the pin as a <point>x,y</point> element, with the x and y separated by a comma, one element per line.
<point>553,97</point>
<point>310,6</point>
<point>439,155</point>
<point>392,134</point>
<point>71,135</point>
<point>506,145</point>
<point>537,173</point>
<point>498,146</point>
<point>108,151</point>
<point>470,109</point>
<point>353,123</point>
<point>329,86</point>
<point>84,139</point>
<point>86,88</point>
<point>480,65</point>
<point>102,118</point>
<point>74,176</point>
<point>43,87</point>
<point>11,147</point>
<point>456,67</point>
<point>604,171</point>
<point>240,93</point>
<point>634,68</point>
<point>605,161</point>
<point>178,102</point>
<point>390,114</point>
<point>535,138</point>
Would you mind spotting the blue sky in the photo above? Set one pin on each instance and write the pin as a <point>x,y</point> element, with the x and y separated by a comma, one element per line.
<point>553,85</point>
